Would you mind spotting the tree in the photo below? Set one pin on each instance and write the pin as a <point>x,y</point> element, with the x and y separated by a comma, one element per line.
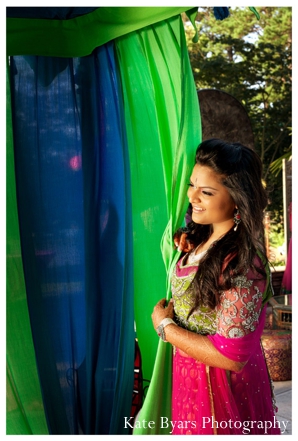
<point>251,59</point>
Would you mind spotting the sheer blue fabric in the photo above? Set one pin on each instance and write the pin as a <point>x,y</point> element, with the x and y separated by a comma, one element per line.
<point>72,177</point>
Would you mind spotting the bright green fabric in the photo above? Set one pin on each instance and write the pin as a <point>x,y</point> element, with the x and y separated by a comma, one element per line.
<point>79,36</point>
<point>25,412</point>
<point>163,128</point>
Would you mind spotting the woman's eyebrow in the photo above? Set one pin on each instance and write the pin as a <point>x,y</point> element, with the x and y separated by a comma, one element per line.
<point>211,188</point>
<point>206,186</point>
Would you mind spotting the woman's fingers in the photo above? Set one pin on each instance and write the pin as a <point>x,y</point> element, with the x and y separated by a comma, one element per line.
<point>162,310</point>
<point>183,244</point>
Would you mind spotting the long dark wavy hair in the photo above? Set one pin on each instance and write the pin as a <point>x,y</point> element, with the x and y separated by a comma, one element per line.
<point>240,171</point>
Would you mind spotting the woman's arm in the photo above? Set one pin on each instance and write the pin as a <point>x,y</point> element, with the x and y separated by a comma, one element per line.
<point>237,315</point>
<point>194,345</point>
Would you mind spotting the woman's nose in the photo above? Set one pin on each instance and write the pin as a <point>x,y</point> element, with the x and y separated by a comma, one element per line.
<point>193,194</point>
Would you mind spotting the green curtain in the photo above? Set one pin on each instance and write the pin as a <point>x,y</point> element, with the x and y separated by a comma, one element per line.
<point>77,37</point>
<point>25,412</point>
<point>164,128</point>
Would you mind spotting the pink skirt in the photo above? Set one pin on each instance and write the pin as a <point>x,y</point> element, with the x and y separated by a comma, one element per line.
<point>210,401</point>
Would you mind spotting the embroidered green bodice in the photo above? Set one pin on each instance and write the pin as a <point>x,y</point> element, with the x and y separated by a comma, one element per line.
<point>236,315</point>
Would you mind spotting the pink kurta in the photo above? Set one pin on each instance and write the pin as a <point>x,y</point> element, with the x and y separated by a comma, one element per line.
<point>209,400</point>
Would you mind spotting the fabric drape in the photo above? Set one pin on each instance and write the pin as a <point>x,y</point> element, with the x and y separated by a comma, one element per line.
<point>77,36</point>
<point>171,107</point>
<point>163,128</point>
<point>103,146</point>
<point>75,219</point>
<point>24,409</point>
<point>240,404</point>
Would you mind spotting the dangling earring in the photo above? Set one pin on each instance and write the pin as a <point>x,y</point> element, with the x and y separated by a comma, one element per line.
<point>236,219</point>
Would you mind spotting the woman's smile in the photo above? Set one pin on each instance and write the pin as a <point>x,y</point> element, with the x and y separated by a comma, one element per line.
<point>197,209</point>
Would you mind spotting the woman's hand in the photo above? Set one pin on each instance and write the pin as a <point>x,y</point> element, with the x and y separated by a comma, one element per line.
<point>161,311</point>
<point>181,242</point>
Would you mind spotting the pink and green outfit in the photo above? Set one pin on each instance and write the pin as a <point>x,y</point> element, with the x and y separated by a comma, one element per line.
<point>209,400</point>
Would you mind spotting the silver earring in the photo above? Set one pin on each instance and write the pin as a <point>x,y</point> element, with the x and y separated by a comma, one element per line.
<point>236,219</point>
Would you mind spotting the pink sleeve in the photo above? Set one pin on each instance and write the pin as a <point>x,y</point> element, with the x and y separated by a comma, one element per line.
<point>241,348</point>
<point>240,307</point>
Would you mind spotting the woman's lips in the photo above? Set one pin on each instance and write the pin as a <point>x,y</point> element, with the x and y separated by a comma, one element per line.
<point>197,209</point>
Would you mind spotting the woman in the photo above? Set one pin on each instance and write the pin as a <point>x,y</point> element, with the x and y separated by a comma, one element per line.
<point>219,291</point>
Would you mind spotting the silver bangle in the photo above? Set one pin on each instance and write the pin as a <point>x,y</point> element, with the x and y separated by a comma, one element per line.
<point>160,328</point>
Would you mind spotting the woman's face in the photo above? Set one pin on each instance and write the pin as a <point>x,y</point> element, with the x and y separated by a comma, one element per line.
<point>211,202</point>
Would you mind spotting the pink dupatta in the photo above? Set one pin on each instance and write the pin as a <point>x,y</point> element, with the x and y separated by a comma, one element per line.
<point>208,400</point>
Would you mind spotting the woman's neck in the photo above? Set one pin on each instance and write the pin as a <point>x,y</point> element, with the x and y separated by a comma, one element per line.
<point>214,237</point>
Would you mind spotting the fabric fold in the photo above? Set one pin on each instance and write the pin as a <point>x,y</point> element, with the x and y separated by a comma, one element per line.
<point>79,36</point>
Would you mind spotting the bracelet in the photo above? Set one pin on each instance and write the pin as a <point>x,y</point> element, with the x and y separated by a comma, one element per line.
<point>160,328</point>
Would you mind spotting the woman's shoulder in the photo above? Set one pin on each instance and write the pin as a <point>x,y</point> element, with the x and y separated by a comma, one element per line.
<point>259,260</point>
<point>256,270</point>
<point>261,264</point>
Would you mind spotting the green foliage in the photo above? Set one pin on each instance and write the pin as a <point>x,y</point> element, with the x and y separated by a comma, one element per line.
<point>252,60</point>
<point>276,240</point>
<point>276,166</point>
<point>276,237</point>
<point>277,246</point>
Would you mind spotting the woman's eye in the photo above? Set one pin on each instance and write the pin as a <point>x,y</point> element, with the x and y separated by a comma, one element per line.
<point>207,193</point>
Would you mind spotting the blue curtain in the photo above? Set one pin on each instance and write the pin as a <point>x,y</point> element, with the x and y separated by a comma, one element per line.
<point>72,180</point>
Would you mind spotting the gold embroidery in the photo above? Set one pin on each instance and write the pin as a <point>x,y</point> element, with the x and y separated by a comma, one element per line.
<point>211,398</point>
